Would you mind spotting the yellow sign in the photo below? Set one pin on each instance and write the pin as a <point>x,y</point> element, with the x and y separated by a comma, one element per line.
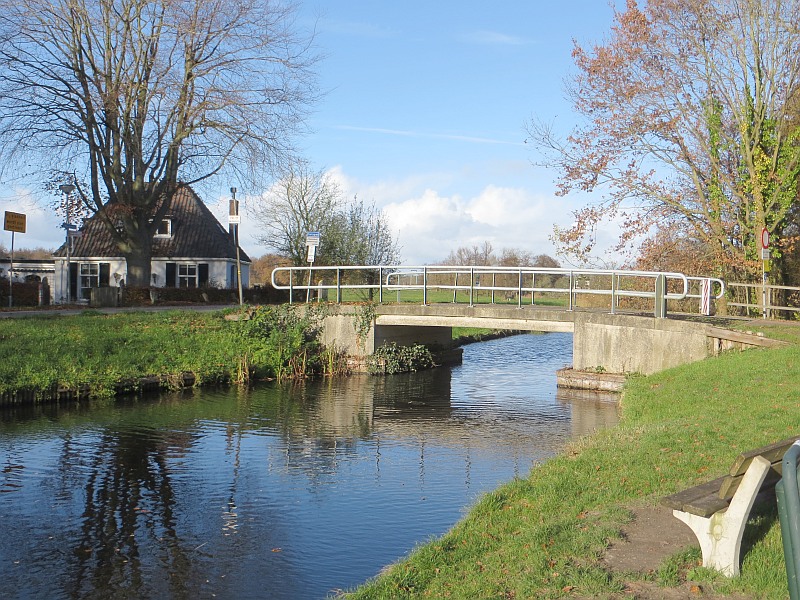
<point>14,222</point>
<point>767,266</point>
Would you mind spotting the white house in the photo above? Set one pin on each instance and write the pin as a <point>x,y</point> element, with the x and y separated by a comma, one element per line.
<point>190,249</point>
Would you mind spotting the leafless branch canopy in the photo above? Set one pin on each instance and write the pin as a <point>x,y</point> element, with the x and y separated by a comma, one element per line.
<point>141,94</point>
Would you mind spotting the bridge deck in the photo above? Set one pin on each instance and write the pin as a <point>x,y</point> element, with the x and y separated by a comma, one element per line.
<point>529,318</point>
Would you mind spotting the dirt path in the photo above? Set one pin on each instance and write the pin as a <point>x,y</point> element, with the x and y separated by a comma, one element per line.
<point>652,536</point>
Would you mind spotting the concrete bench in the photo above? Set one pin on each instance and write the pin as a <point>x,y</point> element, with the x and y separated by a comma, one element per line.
<point>717,511</point>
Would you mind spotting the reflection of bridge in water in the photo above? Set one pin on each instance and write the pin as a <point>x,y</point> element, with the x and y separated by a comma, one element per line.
<point>421,406</point>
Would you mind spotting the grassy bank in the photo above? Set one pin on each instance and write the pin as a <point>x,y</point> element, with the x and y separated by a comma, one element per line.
<point>100,351</point>
<point>542,536</point>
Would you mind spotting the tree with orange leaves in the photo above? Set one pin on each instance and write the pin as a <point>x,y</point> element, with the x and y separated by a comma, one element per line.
<point>686,127</point>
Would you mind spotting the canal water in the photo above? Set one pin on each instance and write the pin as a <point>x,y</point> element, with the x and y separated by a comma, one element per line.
<point>277,491</point>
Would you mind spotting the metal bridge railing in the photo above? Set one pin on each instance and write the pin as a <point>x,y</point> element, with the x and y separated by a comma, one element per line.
<point>440,284</point>
<point>764,299</point>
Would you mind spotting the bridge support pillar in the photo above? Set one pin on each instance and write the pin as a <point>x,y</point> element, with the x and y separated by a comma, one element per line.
<point>630,344</point>
<point>339,331</point>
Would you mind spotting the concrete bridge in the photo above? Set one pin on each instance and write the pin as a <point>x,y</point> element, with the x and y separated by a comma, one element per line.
<point>612,332</point>
<point>610,343</point>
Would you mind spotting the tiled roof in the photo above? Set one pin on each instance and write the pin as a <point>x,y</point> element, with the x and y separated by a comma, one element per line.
<point>196,233</point>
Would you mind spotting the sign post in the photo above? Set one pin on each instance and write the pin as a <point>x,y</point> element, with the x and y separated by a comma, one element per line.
<point>312,241</point>
<point>765,266</point>
<point>233,224</point>
<point>15,223</point>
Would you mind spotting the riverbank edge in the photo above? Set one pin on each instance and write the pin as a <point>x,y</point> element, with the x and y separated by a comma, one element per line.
<point>593,487</point>
<point>125,387</point>
<point>225,374</point>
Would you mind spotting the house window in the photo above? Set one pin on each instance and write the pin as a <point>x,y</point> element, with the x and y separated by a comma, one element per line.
<point>89,278</point>
<point>164,229</point>
<point>85,276</point>
<point>187,276</point>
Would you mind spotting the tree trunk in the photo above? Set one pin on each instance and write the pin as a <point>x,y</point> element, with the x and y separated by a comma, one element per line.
<point>139,268</point>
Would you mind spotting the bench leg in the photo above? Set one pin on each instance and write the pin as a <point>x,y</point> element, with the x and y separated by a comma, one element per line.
<point>720,535</point>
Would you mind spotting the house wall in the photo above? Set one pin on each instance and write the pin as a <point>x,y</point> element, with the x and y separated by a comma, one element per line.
<point>221,273</point>
<point>24,268</point>
<point>58,287</point>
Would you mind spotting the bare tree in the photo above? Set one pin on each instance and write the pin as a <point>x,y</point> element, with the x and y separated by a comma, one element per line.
<point>360,235</point>
<point>303,200</point>
<point>482,255</point>
<point>136,96</point>
<point>686,121</point>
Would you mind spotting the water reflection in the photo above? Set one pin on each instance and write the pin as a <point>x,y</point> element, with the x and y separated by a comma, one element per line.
<point>590,411</point>
<point>274,492</point>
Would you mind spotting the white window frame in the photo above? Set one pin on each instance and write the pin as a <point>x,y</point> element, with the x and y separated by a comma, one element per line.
<point>187,275</point>
<point>168,234</point>
<point>88,278</point>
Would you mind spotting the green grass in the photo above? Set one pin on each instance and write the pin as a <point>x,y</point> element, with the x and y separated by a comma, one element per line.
<point>436,296</point>
<point>542,536</point>
<point>98,350</point>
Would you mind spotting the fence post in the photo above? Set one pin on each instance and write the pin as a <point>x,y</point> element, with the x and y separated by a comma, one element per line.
<point>291,284</point>
<point>571,289</point>
<point>705,297</point>
<point>424,286</point>
<point>661,296</point>
<point>788,496</point>
<point>380,285</point>
<point>471,285</point>
<point>613,293</point>
<point>338,286</point>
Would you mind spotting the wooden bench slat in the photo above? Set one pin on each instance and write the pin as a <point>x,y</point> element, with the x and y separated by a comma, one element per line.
<point>730,484</point>
<point>700,497</point>
<point>773,453</point>
<point>712,496</point>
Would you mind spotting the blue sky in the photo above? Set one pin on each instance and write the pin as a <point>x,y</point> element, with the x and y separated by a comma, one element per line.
<point>424,114</point>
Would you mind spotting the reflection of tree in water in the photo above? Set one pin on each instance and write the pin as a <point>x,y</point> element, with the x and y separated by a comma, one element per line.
<point>318,421</point>
<point>129,504</point>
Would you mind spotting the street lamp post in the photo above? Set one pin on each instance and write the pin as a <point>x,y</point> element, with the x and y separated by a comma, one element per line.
<point>67,189</point>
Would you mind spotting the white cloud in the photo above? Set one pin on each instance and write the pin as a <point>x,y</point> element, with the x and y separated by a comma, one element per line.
<point>430,225</point>
<point>432,214</point>
<point>43,226</point>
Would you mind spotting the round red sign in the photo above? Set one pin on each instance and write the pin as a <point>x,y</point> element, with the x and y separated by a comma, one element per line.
<point>764,238</point>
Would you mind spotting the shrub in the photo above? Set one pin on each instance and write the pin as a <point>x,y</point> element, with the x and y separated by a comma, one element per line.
<point>284,341</point>
<point>391,359</point>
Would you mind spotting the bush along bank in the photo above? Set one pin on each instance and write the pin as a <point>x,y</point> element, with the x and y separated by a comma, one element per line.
<point>94,355</point>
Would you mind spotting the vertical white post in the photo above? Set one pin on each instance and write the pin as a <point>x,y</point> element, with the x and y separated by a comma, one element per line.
<point>11,275</point>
